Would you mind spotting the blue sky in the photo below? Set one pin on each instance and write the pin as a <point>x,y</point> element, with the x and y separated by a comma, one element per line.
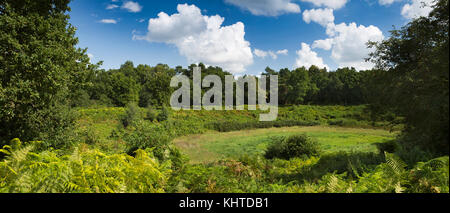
<point>243,36</point>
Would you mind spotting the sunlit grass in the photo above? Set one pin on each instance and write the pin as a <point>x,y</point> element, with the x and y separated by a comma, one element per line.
<point>213,146</point>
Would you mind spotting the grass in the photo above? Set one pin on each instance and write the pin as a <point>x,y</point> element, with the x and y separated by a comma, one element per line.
<point>214,146</point>
<point>101,122</point>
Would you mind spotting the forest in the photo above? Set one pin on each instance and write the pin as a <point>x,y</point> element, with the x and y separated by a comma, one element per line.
<point>68,126</point>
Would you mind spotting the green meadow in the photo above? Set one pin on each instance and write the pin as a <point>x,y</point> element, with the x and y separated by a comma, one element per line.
<point>213,146</point>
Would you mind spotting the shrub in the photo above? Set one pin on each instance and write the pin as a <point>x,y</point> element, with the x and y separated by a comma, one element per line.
<point>293,146</point>
<point>164,115</point>
<point>148,135</point>
<point>151,113</point>
<point>132,115</point>
<point>90,136</point>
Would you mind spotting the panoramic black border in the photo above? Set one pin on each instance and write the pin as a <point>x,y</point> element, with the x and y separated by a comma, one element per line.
<point>300,202</point>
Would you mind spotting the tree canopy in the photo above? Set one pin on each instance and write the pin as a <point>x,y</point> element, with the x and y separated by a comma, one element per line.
<point>414,83</point>
<point>39,66</point>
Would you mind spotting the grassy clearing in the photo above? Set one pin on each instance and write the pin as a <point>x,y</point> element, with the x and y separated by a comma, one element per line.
<point>97,125</point>
<point>213,146</point>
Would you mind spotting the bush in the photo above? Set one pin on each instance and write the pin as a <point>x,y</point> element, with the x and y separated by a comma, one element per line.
<point>148,135</point>
<point>164,115</point>
<point>293,146</point>
<point>132,115</point>
<point>90,136</point>
<point>151,113</point>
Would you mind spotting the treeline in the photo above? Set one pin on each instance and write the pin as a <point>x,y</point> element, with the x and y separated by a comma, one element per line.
<point>147,85</point>
<point>345,86</point>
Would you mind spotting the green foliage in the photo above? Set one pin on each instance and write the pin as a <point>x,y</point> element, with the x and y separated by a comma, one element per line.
<point>147,135</point>
<point>413,81</point>
<point>151,113</point>
<point>235,126</point>
<point>164,115</point>
<point>132,115</point>
<point>125,89</point>
<point>351,164</point>
<point>256,175</point>
<point>89,135</point>
<point>430,177</point>
<point>390,147</point>
<point>304,86</point>
<point>39,66</point>
<point>155,84</point>
<point>293,146</point>
<point>24,170</point>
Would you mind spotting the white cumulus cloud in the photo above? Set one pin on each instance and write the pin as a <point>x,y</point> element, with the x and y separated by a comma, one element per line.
<point>348,44</point>
<point>417,8</point>
<point>306,58</point>
<point>334,4</point>
<point>266,7</point>
<point>132,6</point>
<point>320,16</point>
<point>202,38</point>
<point>325,44</point>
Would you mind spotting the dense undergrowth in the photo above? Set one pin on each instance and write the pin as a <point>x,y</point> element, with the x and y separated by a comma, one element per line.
<point>25,169</point>
<point>142,158</point>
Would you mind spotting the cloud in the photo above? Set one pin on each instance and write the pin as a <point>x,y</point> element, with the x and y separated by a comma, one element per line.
<point>306,58</point>
<point>186,23</point>
<point>325,44</point>
<point>348,44</point>
<point>266,7</point>
<point>108,21</point>
<point>260,53</point>
<point>202,38</point>
<point>320,16</point>
<point>282,52</point>
<point>132,6</point>
<point>111,6</point>
<point>274,55</point>
<point>417,8</point>
<point>333,4</point>
<point>387,2</point>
